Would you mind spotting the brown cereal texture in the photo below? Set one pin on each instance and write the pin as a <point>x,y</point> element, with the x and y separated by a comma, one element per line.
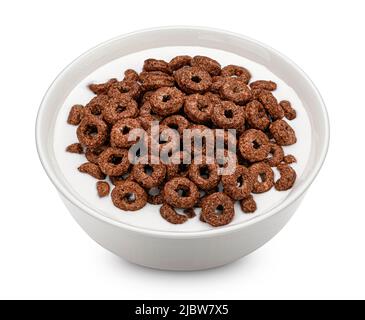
<point>75,148</point>
<point>92,169</point>
<point>186,92</point>
<point>129,196</point>
<point>248,205</point>
<point>217,209</point>
<point>102,188</point>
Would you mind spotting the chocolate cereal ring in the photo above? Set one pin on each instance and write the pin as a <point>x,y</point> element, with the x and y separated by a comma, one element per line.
<point>235,90</point>
<point>289,112</point>
<point>156,65</point>
<point>96,106</point>
<point>92,132</point>
<point>239,184</point>
<point>236,71</point>
<point>176,122</point>
<point>217,83</point>
<point>166,101</point>
<point>289,159</point>
<point>228,115</point>
<point>75,148</point>
<point>217,209</point>
<point>155,195</point>
<point>92,154</point>
<point>204,174</point>
<point>180,192</point>
<point>263,84</point>
<point>179,62</point>
<point>114,161</point>
<point>102,88</point>
<point>254,145</point>
<point>119,135</point>
<point>155,79</point>
<point>131,75</point>
<point>256,115</point>
<point>193,80</point>
<point>125,87</point>
<point>169,214</point>
<point>271,105</point>
<point>198,108</point>
<point>118,108</point>
<point>283,133</point>
<point>129,196</point>
<point>76,114</point>
<point>92,169</point>
<point>248,205</point>
<point>277,153</point>
<point>263,177</point>
<point>287,177</point>
<point>208,64</point>
<point>149,175</point>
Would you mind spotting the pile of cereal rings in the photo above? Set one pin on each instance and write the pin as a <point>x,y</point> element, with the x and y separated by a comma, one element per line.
<point>186,93</point>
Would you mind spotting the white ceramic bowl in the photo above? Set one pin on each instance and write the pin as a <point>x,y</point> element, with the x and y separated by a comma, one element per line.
<point>190,250</point>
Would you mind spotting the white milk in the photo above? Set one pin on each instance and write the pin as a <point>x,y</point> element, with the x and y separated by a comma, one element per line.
<point>149,217</point>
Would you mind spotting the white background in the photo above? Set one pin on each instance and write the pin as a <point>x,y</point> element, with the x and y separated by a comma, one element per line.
<point>319,254</point>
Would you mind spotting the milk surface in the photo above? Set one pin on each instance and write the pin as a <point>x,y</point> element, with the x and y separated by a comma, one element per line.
<point>149,217</point>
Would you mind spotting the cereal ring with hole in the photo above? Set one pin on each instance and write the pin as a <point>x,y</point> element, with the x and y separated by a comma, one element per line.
<point>248,205</point>
<point>193,80</point>
<point>102,188</point>
<point>263,177</point>
<point>96,106</point>
<point>236,71</point>
<point>125,87</point>
<point>92,132</point>
<point>283,133</point>
<point>277,153</point>
<point>118,108</point>
<point>263,84</point>
<point>166,101</point>
<point>239,184</point>
<point>180,192</point>
<point>131,75</point>
<point>208,64</point>
<point>228,115</point>
<point>155,79</point>
<point>102,88</point>
<point>204,173</point>
<point>256,115</point>
<point>217,209</point>
<point>179,62</point>
<point>149,175</point>
<point>114,161</point>
<point>75,148</point>
<point>169,214</point>
<point>254,145</point>
<point>75,115</point>
<point>198,108</point>
<point>271,105</point>
<point>235,90</point>
<point>156,65</point>
<point>176,122</point>
<point>119,134</point>
<point>287,177</point>
<point>129,196</point>
<point>92,169</point>
<point>289,112</point>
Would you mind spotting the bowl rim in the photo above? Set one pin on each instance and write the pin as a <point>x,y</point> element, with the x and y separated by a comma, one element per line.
<point>292,197</point>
